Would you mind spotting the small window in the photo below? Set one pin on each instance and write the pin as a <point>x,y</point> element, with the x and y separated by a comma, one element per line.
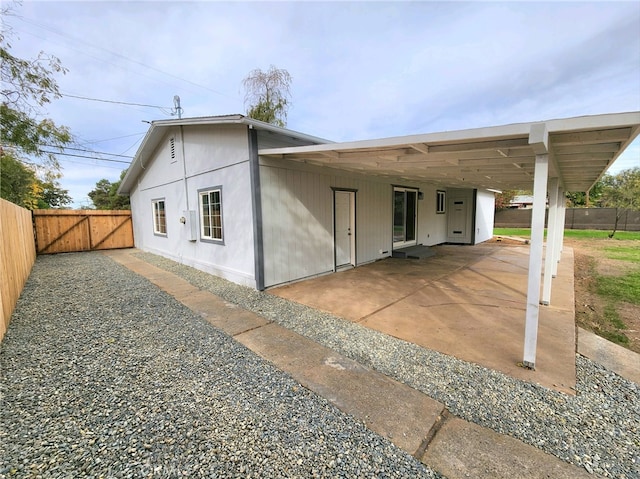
<point>211,214</point>
<point>440,202</point>
<point>172,149</point>
<point>159,218</point>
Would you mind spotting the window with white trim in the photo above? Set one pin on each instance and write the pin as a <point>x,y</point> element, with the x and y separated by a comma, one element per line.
<point>159,218</point>
<point>440,202</point>
<point>211,214</point>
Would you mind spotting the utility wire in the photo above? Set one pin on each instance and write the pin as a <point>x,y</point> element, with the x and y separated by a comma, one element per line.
<point>84,156</point>
<point>64,160</point>
<point>87,151</point>
<point>109,139</point>
<point>114,101</point>
<point>76,40</point>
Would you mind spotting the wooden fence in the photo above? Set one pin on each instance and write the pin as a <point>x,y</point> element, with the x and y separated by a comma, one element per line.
<point>64,231</point>
<point>18,253</point>
<point>575,219</point>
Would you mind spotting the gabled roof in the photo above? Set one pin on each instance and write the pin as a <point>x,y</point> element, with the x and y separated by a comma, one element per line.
<point>502,157</point>
<point>159,128</point>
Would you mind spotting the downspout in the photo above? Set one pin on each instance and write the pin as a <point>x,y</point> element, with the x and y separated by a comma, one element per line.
<point>256,204</point>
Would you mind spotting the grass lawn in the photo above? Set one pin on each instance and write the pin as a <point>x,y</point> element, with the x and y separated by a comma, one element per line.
<point>607,281</point>
<point>577,234</point>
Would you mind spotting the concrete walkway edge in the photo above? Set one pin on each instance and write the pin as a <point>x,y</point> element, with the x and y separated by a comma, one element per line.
<point>410,419</point>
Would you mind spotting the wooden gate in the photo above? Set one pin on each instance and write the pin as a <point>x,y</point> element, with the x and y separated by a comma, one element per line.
<point>64,231</point>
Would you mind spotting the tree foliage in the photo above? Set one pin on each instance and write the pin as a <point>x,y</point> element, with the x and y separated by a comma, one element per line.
<point>21,185</point>
<point>621,191</point>
<point>30,170</point>
<point>267,96</point>
<point>105,195</point>
<point>585,200</point>
<point>503,200</point>
<point>27,86</point>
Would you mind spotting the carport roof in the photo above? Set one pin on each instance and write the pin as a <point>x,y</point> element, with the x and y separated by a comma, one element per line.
<point>502,157</point>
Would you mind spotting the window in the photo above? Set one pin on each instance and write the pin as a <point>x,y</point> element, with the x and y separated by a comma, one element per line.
<point>159,218</point>
<point>440,202</point>
<point>211,214</point>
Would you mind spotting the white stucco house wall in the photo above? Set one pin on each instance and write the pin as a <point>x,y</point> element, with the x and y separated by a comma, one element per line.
<point>237,198</point>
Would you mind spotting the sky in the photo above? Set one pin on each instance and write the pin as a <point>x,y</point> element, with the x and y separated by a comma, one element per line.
<point>360,70</point>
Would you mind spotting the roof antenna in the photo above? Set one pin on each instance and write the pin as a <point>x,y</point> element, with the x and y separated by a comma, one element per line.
<point>176,106</point>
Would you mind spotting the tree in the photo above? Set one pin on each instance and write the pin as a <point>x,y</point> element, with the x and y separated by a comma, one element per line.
<point>105,195</point>
<point>622,192</point>
<point>27,86</point>
<point>588,199</point>
<point>17,182</point>
<point>20,184</point>
<point>503,200</point>
<point>52,195</point>
<point>267,95</point>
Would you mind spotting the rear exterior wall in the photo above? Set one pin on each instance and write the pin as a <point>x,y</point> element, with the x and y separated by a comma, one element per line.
<point>297,212</point>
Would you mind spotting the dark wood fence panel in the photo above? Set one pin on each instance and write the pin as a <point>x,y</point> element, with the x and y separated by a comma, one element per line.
<point>575,219</point>
<point>64,231</point>
<point>17,255</point>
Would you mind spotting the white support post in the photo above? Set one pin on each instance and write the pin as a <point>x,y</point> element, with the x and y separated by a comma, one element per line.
<point>535,259</point>
<point>561,219</point>
<point>562,208</point>
<point>552,243</point>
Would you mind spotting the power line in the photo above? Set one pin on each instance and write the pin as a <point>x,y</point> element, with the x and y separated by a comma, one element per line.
<point>114,101</point>
<point>88,151</point>
<point>76,40</point>
<point>64,160</point>
<point>84,156</point>
<point>115,138</point>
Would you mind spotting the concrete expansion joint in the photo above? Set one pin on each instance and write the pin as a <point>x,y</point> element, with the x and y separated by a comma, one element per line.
<point>440,421</point>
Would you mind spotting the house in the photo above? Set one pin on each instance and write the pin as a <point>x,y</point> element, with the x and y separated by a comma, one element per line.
<point>521,202</point>
<point>208,193</point>
<point>262,206</point>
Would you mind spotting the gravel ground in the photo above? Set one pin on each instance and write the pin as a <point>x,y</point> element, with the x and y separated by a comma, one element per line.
<point>104,375</point>
<point>598,429</point>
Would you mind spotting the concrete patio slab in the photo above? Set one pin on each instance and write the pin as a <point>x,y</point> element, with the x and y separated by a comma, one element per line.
<point>468,302</point>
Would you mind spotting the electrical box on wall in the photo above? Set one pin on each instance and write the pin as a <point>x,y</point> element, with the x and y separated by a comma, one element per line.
<point>191,224</point>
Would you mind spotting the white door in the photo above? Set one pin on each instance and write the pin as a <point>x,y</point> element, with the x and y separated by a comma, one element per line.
<point>458,220</point>
<point>345,231</point>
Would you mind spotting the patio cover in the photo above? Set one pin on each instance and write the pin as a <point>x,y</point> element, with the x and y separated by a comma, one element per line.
<point>549,157</point>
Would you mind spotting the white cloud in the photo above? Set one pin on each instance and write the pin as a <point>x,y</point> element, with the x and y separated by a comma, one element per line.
<point>360,69</point>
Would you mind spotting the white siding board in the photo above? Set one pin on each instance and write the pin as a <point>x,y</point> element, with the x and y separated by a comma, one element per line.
<point>298,232</point>
<point>208,149</point>
<point>485,212</point>
<point>432,227</point>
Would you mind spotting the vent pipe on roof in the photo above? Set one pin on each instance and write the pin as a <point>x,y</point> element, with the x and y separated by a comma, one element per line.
<point>176,107</point>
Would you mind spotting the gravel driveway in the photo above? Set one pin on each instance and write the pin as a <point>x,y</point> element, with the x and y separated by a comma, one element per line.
<point>104,375</point>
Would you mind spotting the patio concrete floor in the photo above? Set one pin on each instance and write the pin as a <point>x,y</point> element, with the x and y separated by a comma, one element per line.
<point>466,301</point>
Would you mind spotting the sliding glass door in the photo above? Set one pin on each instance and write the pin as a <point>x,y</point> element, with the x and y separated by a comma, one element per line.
<point>405,217</point>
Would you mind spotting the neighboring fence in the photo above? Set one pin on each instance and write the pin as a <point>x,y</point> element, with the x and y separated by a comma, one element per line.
<point>576,218</point>
<point>18,253</point>
<point>63,231</point>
